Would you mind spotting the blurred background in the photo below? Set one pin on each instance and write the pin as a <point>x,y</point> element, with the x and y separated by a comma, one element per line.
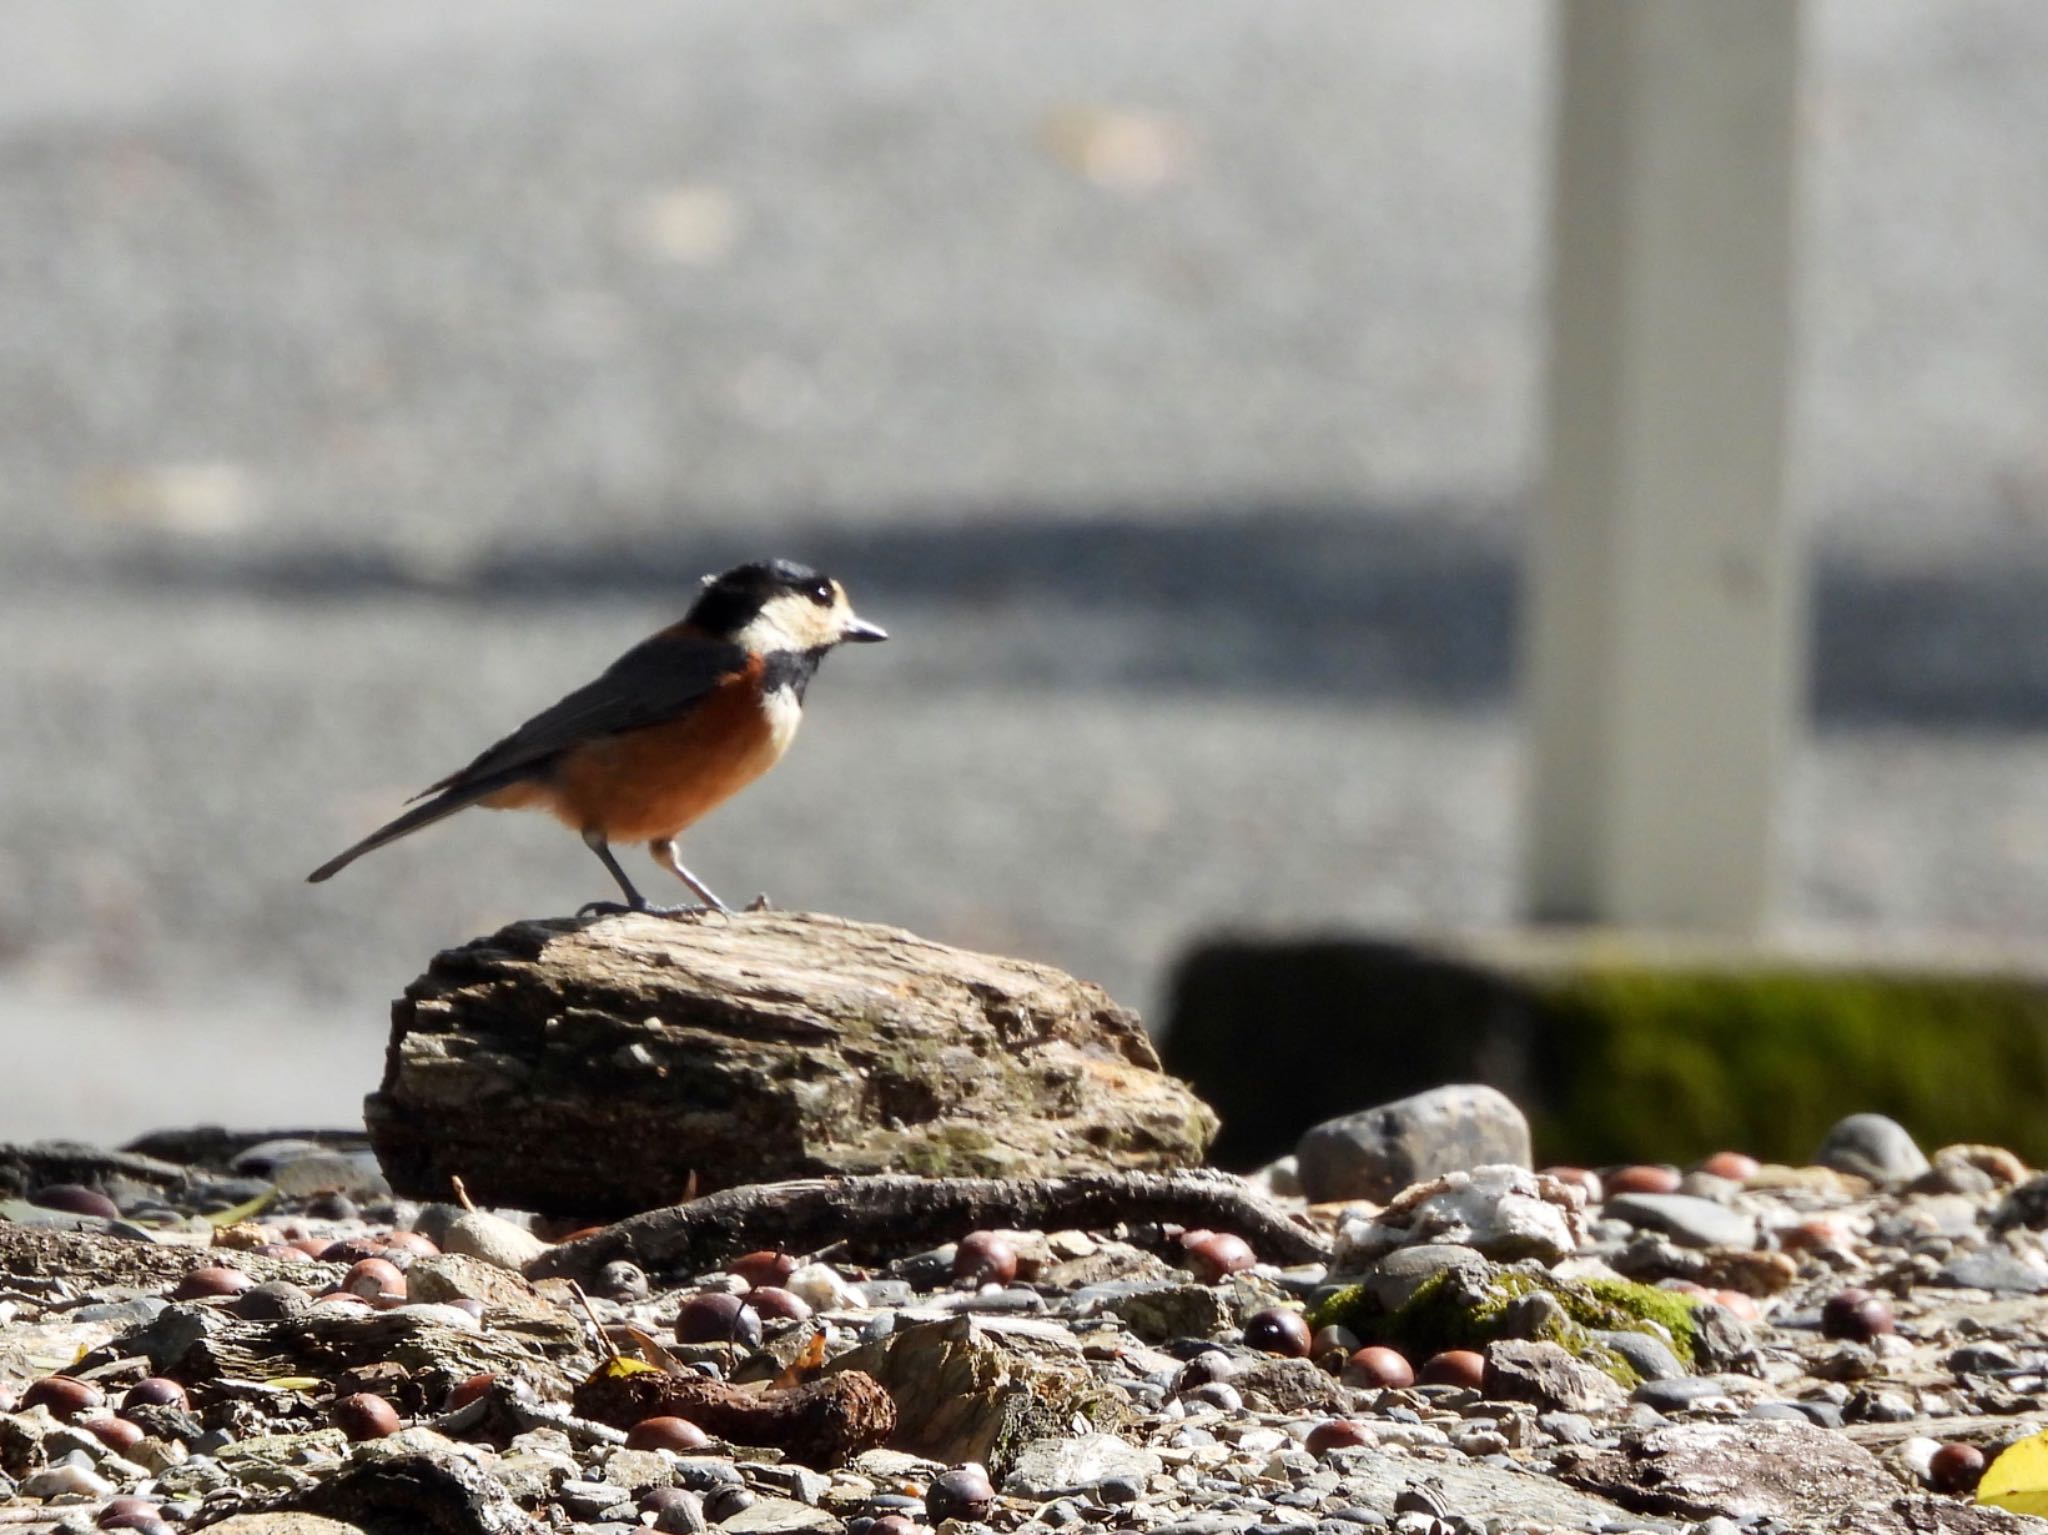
<point>1165,378</point>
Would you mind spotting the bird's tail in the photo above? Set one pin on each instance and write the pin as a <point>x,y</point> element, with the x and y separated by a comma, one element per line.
<point>460,797</point>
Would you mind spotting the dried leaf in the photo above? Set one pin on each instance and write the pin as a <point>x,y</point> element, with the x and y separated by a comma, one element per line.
<point>805,1365</point>
<point>248,1210</point>
<point>647,1346</point>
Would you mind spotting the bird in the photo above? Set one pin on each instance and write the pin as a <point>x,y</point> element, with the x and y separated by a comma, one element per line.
<point>671,730</point>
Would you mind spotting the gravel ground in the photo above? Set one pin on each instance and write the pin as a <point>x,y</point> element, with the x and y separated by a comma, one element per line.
<point>1161,378</point>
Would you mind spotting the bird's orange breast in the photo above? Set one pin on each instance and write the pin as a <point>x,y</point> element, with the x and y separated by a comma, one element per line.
<point>647,785</point>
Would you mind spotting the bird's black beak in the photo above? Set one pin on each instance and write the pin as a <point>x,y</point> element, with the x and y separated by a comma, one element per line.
<point>860,632</point>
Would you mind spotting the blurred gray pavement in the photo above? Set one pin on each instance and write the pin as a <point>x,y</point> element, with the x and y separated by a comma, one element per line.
<point>1161,375</point>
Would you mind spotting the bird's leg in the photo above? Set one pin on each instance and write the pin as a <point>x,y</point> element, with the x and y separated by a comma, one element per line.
<point>665,854</point>
<point>635,901</point>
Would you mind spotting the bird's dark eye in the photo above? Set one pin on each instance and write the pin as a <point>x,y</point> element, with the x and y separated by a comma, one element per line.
<point>822,593</point>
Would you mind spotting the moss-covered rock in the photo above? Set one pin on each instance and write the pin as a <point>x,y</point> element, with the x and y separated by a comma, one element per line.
<point>1460,1309</point>
<point>1617,1050</point>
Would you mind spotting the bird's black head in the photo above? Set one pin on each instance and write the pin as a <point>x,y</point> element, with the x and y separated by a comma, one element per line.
<point>779,605</point>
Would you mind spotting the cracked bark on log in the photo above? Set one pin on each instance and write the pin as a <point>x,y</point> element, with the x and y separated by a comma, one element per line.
<point>892,1213</point>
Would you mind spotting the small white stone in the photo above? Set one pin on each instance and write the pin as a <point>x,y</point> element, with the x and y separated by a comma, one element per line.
<point>1505,1212</point>
<point>479,1234</point>
<point>1917,1455</point>
<point>69,1478</point>
<point>823,1288</point>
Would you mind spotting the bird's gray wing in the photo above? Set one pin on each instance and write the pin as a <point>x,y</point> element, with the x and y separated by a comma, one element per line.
<point>656,681</point>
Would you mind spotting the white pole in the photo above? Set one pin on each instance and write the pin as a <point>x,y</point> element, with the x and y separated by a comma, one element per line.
<point>1663,649</point>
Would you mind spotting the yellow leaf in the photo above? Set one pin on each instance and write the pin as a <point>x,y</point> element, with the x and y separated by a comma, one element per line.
<point>648,1348</point>
<point>619,1367</point>
<point>243,1212</point>
<point>2018,1480</point>
<point>293,1382</point>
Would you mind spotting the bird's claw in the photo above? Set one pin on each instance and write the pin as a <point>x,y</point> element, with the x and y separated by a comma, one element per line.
<point>621,909</point>
<point>679,913</point>
<point>760,903</point>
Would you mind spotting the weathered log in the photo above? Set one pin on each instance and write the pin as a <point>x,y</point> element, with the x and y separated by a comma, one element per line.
<point>874,1217</point>
<point>822,1423</point>
<point>596,1068</point>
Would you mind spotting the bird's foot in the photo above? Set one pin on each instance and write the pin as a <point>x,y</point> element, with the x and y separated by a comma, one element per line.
<point>605,909</point>
<point>760,903</point>
<point>680,913</point>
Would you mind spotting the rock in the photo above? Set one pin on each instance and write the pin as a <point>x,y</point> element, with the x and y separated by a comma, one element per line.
<point>1158,1312</point>
<point>2001,1168</point>
<point>1376,1153</point>
<point>458,1276</point>
<point>1681,1393</point>
<point>767,1046</point>
<point>71,1477</point>
<point>1647,1354</point>
<point>282,1522</point>
<point>1279,1178</point>
<point>638,1470</point>
<point>823,1288</point>
<point>1505,1213</point>
<point>2026,1205</point>
<point>1053,1468</point>
<point>778,1516</point>
<point>977,1388</point>
<point>1547,1375</point>
<point>1993,1269</point>
<point>1766,1469</point>
<point>491,1238</point>
<point>1871,1146</point>
<point>416,1490</point>
<point>320,1170</point>
<point>1393,1278</point>
<point>1287,1385</point>
<point>1685,1218</point>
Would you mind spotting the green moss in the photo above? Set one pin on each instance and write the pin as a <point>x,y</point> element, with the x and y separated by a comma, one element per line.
<point>946,1150</point>
<point>1448,1312</point>
<point>1644,1062</point>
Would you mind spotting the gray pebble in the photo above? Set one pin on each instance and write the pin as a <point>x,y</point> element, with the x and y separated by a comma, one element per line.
<point>1675,1395</point>
<point>681,1516</point>
<point>721,1503</point>
<point>703,1474</point>
<point>592,1500</point>
<point>1686,1219</point>
<point>1993,1269</point>
<point>1647,1354</point>
<point>1871,1146</point>
<point>121,1313</point>
<point>1567,1427</point>
<point>1217,1393</point>
<point>1120,1489</point>
<point>1977,1359</point>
